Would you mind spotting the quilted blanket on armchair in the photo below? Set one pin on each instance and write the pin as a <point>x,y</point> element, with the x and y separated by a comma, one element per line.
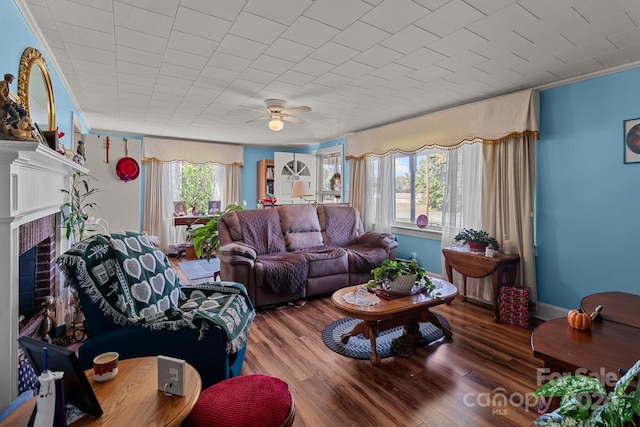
<point>133,282</point>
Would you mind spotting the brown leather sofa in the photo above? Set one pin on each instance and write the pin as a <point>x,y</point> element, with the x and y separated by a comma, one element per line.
<point>292,252</point>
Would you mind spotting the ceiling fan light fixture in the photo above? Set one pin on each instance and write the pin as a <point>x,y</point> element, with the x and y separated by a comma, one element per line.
<point>276,124</point>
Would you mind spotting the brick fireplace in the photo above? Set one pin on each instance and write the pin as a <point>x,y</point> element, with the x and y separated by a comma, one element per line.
<point>31,176</point>
<point>37,268</point>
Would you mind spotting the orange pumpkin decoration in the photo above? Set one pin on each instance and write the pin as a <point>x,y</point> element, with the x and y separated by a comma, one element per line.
<point>579,319</point>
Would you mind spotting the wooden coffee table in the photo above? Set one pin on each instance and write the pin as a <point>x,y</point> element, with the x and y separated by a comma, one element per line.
<point>132,398</point>
<point>387,314</point>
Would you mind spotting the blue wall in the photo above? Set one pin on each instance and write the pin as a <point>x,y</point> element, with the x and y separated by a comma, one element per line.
<point>587,200</point>
<point>19,37</point>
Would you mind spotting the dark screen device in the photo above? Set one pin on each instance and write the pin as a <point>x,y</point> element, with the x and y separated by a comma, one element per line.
<point>77,389</point>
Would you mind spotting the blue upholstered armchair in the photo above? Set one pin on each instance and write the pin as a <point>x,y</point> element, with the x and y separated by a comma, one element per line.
<point>134,304</point>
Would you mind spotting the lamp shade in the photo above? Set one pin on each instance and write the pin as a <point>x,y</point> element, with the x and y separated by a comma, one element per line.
<point>301,189</point>
<point>276,125</point>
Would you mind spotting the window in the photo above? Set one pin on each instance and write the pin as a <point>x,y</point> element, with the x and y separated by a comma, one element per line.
<point>330,177</point>
<point>419,187</point>
<point>196,184</point>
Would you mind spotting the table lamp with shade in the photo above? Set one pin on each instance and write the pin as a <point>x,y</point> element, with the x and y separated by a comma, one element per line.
<point>301,189</point>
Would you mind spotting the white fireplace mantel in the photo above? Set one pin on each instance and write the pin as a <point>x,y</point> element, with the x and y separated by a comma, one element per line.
<point>31,177</point>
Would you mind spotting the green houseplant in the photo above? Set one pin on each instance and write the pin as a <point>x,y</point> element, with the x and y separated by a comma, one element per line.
<point>73,211</point>
<point>205,238</point>
<point>391,269</point>
<point>477,239</point>
<point>585,401</point>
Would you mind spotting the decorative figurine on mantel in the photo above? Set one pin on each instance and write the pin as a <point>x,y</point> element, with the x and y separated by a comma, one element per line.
<point>14,119</point>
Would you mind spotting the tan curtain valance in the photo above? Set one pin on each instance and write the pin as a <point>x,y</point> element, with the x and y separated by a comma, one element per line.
<point>492,120</point>
<point>169,150</point>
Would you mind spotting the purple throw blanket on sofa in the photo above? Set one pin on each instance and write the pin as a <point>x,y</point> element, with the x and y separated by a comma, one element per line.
<point>261,229</point>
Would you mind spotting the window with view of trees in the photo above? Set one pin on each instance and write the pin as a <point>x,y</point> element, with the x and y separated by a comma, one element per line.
<point>419,187</point>
<point>197,184</point>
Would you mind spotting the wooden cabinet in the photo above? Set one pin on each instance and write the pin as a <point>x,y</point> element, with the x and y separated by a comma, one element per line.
<point>265,178</point>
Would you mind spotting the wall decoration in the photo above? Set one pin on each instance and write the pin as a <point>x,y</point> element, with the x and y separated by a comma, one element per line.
<point>632,141</point>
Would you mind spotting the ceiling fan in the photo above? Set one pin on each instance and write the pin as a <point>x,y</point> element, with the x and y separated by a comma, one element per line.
<point>277,114</point>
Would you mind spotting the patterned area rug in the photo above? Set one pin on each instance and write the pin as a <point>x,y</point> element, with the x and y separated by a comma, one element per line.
<point>200,268</point>
<point>359,347</point>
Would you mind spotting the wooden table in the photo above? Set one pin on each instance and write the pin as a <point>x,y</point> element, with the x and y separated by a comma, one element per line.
<point>471,264</point>
<point>188,220</point>
<point>602,350</point>
<point>132,398</point>
<point>619,307</point>
<point>387,314</point>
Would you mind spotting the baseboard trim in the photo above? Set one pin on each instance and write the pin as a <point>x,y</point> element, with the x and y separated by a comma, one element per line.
<point>548,312</point>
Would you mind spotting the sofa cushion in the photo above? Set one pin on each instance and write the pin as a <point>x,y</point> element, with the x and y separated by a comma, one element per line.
<point>284,272</point>
<point>300,226</point>
<point>261,230</point>
<point>340,224</point>
<point>326,261</point>
<point>364,257</point>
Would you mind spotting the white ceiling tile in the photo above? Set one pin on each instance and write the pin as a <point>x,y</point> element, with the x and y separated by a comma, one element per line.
<point>409,39</point>
<point>200,24</point>
<point>271,64</point>
<point>360,36</point>
<point>85,53</point>
<point>332,80</point>
<point>367,82</point>
<point>256,28</point>
<point>185,59</point>
<point>394,15</point>
<point>545,8</point>
<point>377,56</point>
<point>325,11</point>
<point>429,73</point>
<point>432,4</point>
<point>599,29</point>
<point>137,69</point>
<point>352,69</point>
<point>142,20</point>
<point>296,78</point>
<point>191,44</point>
<point>449,18</point>
<point>84,36</point>
<point>421,58</point>
<point>67,12</point>
<point>621,57</point>
<point>313,67</point>
<point>553,24</point>
<point>583,67</point>
<point>626,38</point>
<point>334,53</point>
<point>461,61</point>
<point>257,76</point>
<point>503,21</point>
<point>456,42</point>
<point>309,32</point>
<point>391,71</point>
<point>282,11</point>
<point>186,74</point>
<point>229,62</point>
<point>288,50</point>
<point>137,56</point>
<point>241,47</point>
<point>227,10</point>
<point>140,41</point>
<point>402,83</point>
<point>490,6</point>
<point>505,43</point>
<point>165,7</point>
<point>579,53</point>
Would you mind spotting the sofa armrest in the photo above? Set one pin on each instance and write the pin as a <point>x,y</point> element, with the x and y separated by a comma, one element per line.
<point>237,249</point>
<point>374,238</point>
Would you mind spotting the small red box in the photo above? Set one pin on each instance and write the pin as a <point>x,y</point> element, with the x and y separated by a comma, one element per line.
<point>515,306</point>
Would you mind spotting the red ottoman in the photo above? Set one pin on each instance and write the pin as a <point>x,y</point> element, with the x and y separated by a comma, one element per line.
<point>248,400</point>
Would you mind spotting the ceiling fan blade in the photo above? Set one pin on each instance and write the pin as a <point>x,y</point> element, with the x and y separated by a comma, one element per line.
<point>257,119</point>
<point>291,119</point>
<point>297,110</point>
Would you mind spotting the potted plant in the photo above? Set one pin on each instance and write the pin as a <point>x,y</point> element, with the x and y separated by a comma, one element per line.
<point>391,270</point>
<point>478,240</point>
<point>205,238</point>
<point>585,401</point>
<point>73,211</point>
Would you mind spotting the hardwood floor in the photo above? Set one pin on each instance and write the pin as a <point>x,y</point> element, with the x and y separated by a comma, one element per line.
<point>481,377</point>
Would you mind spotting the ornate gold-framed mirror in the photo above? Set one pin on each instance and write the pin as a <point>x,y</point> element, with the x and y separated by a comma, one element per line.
<point>35,89</point>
